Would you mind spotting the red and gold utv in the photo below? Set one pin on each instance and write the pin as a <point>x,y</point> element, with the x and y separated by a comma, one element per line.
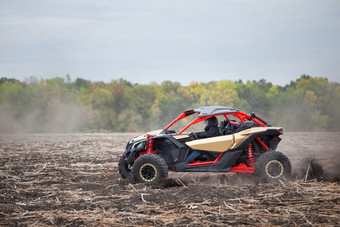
<point>245,144</point>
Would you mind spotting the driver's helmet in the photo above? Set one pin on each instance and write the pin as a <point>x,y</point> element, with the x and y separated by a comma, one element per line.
<point>210,122</point>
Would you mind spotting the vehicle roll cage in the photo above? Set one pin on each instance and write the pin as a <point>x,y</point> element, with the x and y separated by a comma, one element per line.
<point>240,115</point>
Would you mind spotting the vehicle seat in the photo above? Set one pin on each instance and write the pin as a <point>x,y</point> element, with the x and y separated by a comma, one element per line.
<point>228,127</point>
<point>222,127</point>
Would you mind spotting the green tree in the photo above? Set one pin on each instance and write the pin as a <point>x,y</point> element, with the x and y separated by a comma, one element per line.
<point>102,115</point>
<point>140,99</point>
<point>221,93</point>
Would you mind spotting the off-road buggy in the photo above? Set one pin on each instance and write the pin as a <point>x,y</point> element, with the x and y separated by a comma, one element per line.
<point>247,144</point>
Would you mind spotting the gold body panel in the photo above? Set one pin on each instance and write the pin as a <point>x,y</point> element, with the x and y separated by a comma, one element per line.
<point>216,144</point>
<point>224,143</point>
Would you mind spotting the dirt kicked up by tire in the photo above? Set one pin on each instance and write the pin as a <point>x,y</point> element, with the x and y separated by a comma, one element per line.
<point>273,166</point>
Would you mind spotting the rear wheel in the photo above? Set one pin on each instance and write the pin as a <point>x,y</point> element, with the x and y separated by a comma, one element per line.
<point>149,169</point>
<point>124,170</point>
<point>273,166</point>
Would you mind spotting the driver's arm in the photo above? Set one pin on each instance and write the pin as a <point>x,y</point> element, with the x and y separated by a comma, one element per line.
<point>202,134</point>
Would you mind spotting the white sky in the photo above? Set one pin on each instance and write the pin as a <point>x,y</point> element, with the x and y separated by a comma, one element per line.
<point>179,40</point>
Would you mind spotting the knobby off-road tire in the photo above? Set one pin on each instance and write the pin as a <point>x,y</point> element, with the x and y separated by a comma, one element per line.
<point>273,166</point>
<point>123,168</point>
<point>149,169</point>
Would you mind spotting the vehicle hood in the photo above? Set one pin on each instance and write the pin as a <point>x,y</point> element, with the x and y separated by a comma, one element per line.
<point>144,136</point>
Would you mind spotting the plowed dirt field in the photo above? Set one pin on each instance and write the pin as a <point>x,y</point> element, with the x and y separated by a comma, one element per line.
<point>72,179</point>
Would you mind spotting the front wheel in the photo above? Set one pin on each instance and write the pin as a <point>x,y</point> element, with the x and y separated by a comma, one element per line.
<point>273,166</point>
<point>149,169</point>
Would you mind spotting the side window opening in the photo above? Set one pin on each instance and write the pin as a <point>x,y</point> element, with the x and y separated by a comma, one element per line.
<point>233,118</point>
<point>199,127</point>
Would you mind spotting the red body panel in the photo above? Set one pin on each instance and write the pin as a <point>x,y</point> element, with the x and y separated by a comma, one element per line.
<point>242,168</point>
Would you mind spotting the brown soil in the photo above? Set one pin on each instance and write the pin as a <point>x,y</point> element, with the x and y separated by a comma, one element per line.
<point>72,179</point>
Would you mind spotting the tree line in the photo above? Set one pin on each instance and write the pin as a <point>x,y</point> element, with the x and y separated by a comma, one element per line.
<point>62,105</point>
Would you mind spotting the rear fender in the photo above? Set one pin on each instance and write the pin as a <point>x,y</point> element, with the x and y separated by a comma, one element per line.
<point>274,142</point>
<point>243,141</point>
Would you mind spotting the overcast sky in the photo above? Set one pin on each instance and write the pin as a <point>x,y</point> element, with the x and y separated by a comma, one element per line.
<point>179,40</point>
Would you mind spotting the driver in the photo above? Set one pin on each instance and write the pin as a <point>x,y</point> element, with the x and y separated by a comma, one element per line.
<point>210,130</point>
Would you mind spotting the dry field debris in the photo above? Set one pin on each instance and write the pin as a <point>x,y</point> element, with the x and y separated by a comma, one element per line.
<point>72,179</point>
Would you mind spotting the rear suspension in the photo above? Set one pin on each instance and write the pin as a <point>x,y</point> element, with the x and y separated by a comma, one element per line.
<point>250,155</point>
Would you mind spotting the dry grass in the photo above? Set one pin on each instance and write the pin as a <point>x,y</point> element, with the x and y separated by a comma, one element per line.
<point>73,180</point>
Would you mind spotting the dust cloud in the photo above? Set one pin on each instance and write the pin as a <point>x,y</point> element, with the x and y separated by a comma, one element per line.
<point>312,169</point>
<point>314,155</point>
<point>60,117</point>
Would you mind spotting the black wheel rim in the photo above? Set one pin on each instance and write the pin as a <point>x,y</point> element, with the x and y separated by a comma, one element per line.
<point>148,172</point>
<point>274,169</point>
